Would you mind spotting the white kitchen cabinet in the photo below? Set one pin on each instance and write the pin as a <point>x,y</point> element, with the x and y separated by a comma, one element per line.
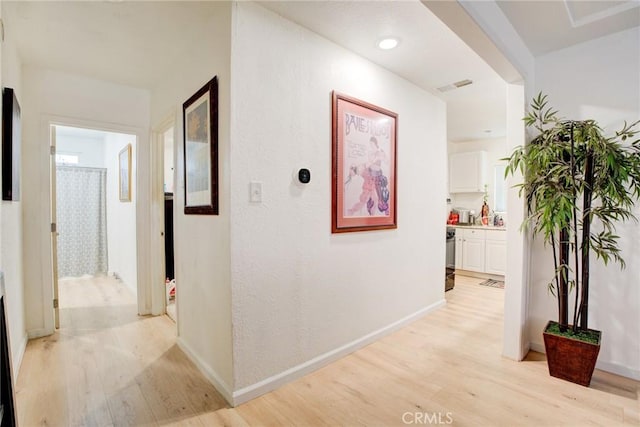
<point>495,252</point>
<point>459,245</point>
<point>467,172</point>
<point>481,250</point>
<point>473,250</point>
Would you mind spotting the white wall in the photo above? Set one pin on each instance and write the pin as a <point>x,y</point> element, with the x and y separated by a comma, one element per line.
<point>300,292</point>
<point>121,216</point>
<point>599,80</point>
<point>80,101</point>
<point>496,149</point>
<point>90,150</point>
<point>11,255</point>
<point>201,242</point>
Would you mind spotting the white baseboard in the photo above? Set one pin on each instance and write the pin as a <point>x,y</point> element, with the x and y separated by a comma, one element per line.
<point>269,384</point>
<point>38,333</point>
<point>623,371</point>
<point>536,346</point>
<point>16,361</point>
<point>220,385</point>
<point>613,368</point>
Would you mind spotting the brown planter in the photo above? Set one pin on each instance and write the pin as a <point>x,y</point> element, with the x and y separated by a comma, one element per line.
<point>570,359</point>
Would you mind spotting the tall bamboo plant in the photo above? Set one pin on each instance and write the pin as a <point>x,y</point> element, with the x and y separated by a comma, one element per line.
<point>576,178</point>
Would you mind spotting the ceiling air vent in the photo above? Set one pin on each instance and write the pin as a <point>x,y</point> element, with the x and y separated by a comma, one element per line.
<point>455,85</point>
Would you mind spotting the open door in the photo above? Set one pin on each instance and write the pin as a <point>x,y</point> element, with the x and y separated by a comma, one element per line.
<point>162,181</point>
<point>54,231</point>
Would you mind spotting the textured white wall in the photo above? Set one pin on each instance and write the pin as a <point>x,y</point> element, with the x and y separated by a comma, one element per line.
<point>11,255</point>
<point>48,95</point>
<point>599,80</point>
<point>201,242</point>
<point>121,216</point>
<point>299,291</point>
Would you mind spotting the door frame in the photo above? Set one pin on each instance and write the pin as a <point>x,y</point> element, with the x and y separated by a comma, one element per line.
<point>54,220</point>
<point>158,268</point>
<point>142,215</point>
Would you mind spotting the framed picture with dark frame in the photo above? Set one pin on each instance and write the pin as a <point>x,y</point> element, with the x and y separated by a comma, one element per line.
<point>364,145</point>
<point>200,123</point>
<point>124,174</point>
<point>10,145</point>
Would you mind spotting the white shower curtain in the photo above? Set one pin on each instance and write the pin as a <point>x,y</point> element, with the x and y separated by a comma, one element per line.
<point>82,220</point>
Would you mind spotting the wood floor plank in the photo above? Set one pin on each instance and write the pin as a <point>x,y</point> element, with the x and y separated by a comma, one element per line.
<point>223,417</point>
<point>44,397</point>
<point>128,407</point>
<point>108,366</point>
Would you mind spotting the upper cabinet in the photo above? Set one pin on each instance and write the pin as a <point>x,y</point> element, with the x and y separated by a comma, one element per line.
<point>467,172</point>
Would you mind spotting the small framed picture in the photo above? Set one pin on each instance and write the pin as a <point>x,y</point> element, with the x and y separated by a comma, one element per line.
<point>200,121</point>
<point>11,145</point>
<point>124,174</point>
<point>364,166</point>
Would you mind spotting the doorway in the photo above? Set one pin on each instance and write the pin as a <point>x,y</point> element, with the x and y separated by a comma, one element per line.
<point>163,283</point>
<point>168,167</point>
<point>514,260</point>
<point>94,212</point>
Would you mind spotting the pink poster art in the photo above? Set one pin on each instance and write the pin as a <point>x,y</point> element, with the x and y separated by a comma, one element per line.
<point>364,166</point>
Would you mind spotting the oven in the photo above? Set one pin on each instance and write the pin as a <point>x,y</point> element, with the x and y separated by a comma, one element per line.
<point>450,267</point>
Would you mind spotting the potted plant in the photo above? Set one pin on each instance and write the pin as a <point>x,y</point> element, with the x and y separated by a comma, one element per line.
<point>578,184</point>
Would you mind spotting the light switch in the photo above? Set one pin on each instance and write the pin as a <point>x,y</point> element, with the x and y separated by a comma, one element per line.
<point>255,192</point>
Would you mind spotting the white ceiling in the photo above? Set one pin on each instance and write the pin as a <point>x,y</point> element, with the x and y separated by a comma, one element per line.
<point>131,43</point>
<point>135,42</point>
<point>546,26</point>
<point>429,55</point>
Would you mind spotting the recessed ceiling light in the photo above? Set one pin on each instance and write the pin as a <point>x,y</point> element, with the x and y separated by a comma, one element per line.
<point>387,43</point>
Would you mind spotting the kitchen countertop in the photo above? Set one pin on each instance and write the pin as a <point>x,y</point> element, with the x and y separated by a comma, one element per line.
<point>477,227</point>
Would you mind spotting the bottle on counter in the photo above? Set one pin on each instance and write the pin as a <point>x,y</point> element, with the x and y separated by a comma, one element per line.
<point>484,213</point>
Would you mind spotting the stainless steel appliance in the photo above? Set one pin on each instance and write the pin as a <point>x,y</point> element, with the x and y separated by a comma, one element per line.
<point>450,267</point>
<point>464,215</point>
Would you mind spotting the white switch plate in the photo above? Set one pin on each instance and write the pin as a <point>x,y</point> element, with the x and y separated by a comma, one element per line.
<point>255,192</point>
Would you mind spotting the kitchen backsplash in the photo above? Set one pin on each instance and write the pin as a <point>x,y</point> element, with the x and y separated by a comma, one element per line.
<point>473,201</point>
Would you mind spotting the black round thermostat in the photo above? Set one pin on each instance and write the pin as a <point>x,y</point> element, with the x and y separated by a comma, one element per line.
<point>304,176</point>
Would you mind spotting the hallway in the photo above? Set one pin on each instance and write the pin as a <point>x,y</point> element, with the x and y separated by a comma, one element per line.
<point>107,366</point>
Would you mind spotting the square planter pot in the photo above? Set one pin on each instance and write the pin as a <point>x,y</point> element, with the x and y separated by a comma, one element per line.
<point>570,359</point>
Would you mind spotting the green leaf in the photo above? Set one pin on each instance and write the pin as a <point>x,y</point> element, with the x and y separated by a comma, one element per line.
<point>555,182</point>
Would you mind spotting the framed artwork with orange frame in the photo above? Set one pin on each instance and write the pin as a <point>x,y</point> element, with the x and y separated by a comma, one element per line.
<point>364,163</point>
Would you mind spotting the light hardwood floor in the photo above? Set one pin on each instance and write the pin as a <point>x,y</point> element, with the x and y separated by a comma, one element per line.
<point>107,366</point>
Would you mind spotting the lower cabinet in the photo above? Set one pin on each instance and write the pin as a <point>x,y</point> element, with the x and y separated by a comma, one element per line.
<point>473,249</point>
<point>482,251</point>
<point>495,252</point>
